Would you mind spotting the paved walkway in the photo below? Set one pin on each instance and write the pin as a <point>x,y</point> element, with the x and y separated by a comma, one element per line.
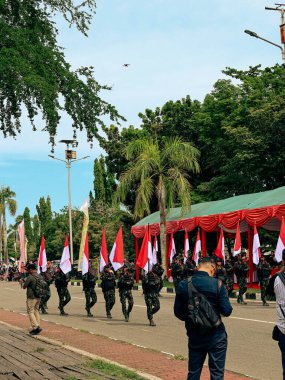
<point>154,363</point>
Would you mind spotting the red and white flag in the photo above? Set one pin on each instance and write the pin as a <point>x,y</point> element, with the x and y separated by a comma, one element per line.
<point>154,251</point>
<point>21,233</point>
<point>85,261</point>
<point>255,247</point>
<point>172,249</point>
<point>220,250</point>
<point>65,263</point>
<point>237,246</point>
<point>117,253</point>
<point>145,254</point>
<point>103,251</point>
<point>197,248</point>
<point>281,243</point>
<point>186,247</point>
<point>42,261</point>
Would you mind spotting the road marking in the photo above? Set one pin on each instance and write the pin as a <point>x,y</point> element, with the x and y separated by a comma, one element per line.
<point>78,298</point>
<point>140,306</point>
<point>167,353</point>
<point>13,290</point>
<point>253,320</point>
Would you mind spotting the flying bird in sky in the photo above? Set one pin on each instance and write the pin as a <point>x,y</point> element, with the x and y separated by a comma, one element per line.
<point>126,65</point>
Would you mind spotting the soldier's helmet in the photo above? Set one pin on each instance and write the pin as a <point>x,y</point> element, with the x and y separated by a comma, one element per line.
<point>219,260</point>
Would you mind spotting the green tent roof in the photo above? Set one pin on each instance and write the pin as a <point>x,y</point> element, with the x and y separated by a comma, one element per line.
<point>240,202</point>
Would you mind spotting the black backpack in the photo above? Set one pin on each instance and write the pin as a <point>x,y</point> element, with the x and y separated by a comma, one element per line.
<point>40,287</point>
<point>201,314</point>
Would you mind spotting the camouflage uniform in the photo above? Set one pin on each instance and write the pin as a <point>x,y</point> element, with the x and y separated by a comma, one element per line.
<point>176,272</point>
<point>61,282</point>
<point>158,269</point>
<point>189,268</point>
<point>241,270</point>
<point>125,285</point>
<point>108,286</point>
<point>229,279</point>
<point>221,273</point>
<point>89,283</point>
<point>151,283</point>
<point>48,277</point>
<point>263,275</point>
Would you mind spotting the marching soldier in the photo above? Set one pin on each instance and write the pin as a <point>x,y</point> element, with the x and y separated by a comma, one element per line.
<point>221,273</point>
<point>151,284</point>
<point>125,285</point>
<point>241,269</point>
<point>176,271</point>
<point>263,275</point>
<point>229,280</point>
<point>48,277</point>
<point>158,270</point>
<point>189,268</point>
<point>108,286</point>
<point>89,283</point>
<point>61,283</point>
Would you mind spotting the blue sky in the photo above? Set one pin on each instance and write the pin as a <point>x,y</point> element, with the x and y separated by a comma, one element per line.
<point>174,49</point>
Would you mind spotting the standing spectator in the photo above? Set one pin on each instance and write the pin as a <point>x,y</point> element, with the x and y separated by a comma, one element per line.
<point>279,290</point>
<point>213,343</point>
<point>33,302</point>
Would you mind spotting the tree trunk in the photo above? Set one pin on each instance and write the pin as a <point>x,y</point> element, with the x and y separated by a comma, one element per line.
<point>162,213</point>
<point>5,237</point>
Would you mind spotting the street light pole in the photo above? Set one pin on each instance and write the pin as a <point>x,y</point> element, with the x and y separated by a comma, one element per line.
<point>70,156</point>
<point>279,8</point>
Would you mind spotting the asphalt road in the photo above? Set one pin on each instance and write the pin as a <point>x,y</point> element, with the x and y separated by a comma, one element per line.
<point>251,349</point>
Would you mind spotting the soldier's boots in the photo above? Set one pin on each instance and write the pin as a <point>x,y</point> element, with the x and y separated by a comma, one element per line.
<point>89,314</point>
<point>242,301</point>
<point>126,316</point>
<point>151,322</point>
<point>62,312</point>
<point>265,303</point>
<point>109,315</point>
<point>44,311</point>
<point>238,299</point>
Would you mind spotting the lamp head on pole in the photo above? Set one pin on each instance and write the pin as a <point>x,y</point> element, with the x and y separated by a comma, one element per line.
<point>250,33</point>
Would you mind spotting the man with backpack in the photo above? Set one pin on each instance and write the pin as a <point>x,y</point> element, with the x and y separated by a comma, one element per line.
<point>33,285</point>
<point>200,300</point>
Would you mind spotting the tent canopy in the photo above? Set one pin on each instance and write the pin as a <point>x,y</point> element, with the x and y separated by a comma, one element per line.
<point>264,209</point>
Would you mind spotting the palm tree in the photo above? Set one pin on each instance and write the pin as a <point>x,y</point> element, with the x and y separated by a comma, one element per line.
<point>6,202</point>
<point>159,170</point>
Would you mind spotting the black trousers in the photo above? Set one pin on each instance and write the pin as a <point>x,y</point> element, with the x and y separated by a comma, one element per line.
<point>281,345</point>
<point>216,347</point>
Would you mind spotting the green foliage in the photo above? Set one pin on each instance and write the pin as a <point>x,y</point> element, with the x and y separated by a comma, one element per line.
<point>44,214</point>
<point>151,166</point>
<point>28,225</point>
<point>35,74</point>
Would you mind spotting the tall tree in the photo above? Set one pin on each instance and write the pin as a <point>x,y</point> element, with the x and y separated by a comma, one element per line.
<point>44,213</point>
<point>28,224</point>
<point>35,74</point>
<point>99,179</point>
<point>7,202</point>
<point>160,171</point>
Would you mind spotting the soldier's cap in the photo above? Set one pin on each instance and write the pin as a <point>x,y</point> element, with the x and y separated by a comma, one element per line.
<point>283,255</point>
<point>219,260</point>
<point>31,266</point>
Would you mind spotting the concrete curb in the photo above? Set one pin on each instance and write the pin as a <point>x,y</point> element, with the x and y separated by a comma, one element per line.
<point>84,353</point>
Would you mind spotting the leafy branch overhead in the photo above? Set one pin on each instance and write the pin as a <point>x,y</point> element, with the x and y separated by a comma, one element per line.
<point>35,74</point>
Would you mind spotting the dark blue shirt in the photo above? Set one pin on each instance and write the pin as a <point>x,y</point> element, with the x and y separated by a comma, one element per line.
<point>208,286</point>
